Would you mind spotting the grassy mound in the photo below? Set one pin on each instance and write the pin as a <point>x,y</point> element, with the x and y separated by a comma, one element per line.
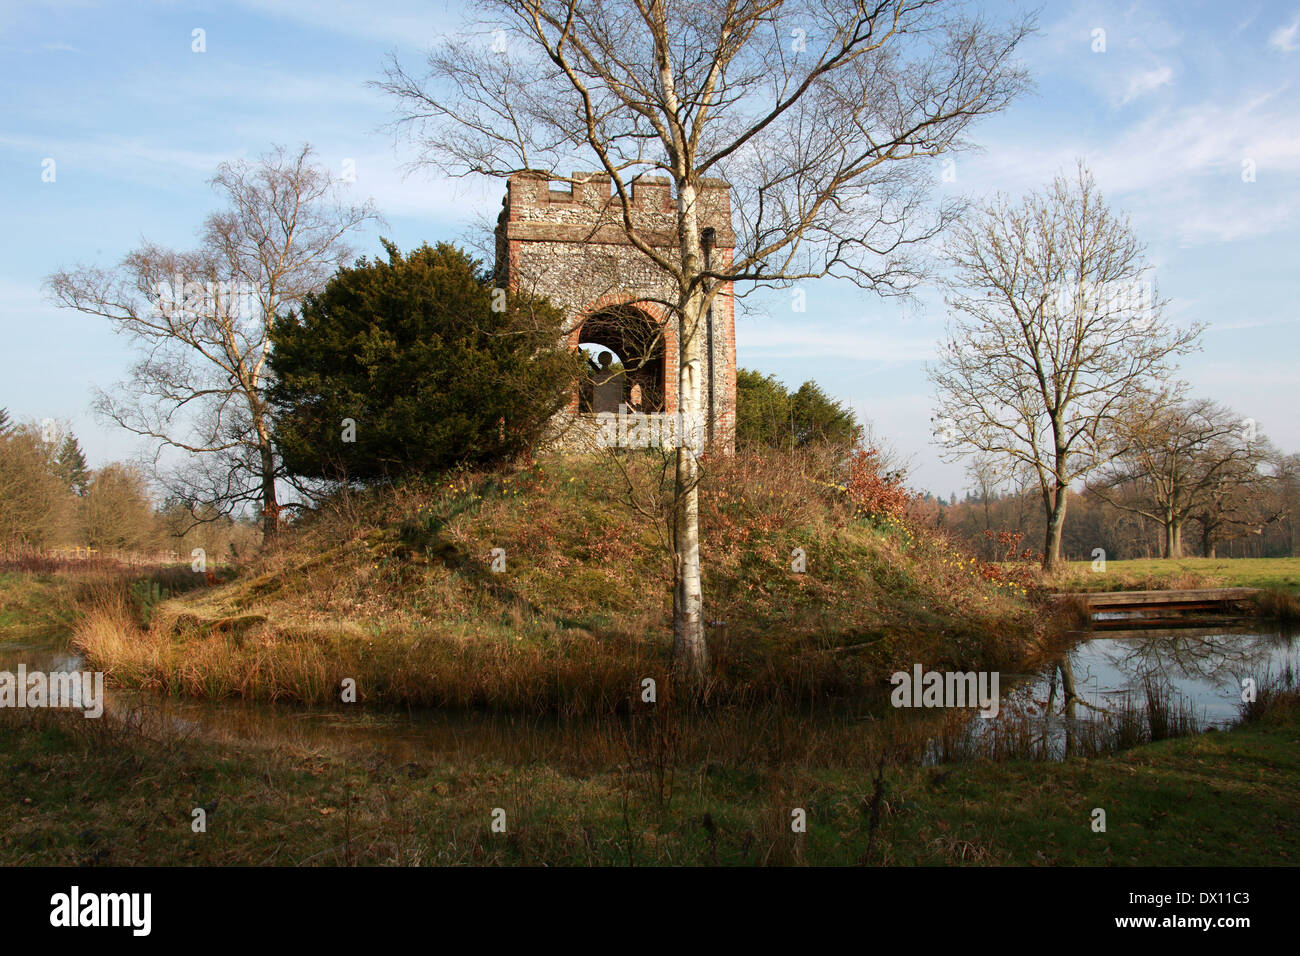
<point>547,588</point>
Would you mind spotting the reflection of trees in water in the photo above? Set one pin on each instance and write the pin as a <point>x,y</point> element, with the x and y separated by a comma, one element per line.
<point>1052,716</point>
<point>1163,658</point>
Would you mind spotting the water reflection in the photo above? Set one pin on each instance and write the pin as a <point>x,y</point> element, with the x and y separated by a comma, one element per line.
<point>1123,688</point>
<point>1204,667</point>
<point>1110,690</point>
<point>396,735</point>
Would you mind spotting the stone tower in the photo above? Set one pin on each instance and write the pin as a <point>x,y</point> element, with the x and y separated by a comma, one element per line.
<point>568,245</point>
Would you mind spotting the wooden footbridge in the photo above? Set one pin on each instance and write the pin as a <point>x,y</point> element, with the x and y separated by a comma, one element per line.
<point>1156,608</point>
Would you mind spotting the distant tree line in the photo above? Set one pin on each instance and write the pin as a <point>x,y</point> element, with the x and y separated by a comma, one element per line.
<point>1250,513</point>
<point>52,499</point>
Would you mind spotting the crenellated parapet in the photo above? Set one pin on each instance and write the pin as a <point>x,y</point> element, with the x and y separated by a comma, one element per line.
<point>585,209</point>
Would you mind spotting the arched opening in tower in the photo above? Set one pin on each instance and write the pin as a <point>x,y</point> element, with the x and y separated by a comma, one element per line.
<point>625,364</point>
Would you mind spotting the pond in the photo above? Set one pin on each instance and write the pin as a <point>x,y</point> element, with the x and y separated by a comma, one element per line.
<point>1110,690</point>
<point>1116,688</point>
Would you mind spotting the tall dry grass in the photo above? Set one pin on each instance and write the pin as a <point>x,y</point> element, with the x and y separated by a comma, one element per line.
<point>252,660</point>
<point>1277,698</point>
<point>1278,605</point>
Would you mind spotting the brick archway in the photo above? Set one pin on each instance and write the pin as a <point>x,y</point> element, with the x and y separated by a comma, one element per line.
<point>636,331</point>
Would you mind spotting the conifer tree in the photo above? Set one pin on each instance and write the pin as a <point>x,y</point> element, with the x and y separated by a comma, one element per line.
<point>408,366</point>
<point>70,465</point>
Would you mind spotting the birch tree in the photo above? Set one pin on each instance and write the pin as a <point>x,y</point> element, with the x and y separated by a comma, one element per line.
<point>1055,320</point>
<point>200,320</point>
<point>823,116</point>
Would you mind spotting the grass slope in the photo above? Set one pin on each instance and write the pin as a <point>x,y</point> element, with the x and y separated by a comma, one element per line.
<point>35,605</point>
<point>405,592</point>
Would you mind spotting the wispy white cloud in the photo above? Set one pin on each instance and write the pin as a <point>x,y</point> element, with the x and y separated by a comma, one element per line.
<point>1261,373</point>
<point>1260,323</point>
<point>1137,27</point>
<point>15,13</point>
<point>380,174</point>
<point>252,88</point>
<point>398,191</point>
<point>1145,81</point>
<point>1286,39</point>
<point>1179,169</point>
<point>133,158</point>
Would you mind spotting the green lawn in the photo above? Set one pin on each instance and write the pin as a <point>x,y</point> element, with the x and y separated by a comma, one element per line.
<point>78,792</point>
<point>35,605</point>
<point>1216,799</point>
<point>1268,573</point>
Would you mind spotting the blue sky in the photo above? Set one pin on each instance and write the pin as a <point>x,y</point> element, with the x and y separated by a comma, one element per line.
<point>136,123</point>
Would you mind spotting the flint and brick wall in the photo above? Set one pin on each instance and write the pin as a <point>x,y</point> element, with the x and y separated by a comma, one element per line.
<point>570,246</point>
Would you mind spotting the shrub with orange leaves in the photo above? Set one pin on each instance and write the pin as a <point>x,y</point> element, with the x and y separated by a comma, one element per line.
<point>1010,563</point>
<point>874,492</point>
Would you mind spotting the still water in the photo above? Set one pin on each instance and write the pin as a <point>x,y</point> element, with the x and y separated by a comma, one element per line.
<point>1116,688</point>
<point>1199,671</point>
<point>1205,667</point>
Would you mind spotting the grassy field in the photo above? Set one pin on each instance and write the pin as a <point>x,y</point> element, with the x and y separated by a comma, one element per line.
<point>36,605</point>
<point>42,599</point>
<point>80,792</point>
<point>1282,574</point>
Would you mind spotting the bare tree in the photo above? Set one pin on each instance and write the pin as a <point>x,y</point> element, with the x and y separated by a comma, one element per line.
<point>1237,505</point>
<point>201,320</point>
<point>1055,323</point>
<point>819,114</point>
<point>1286,489</point>
<point>987,474</point>
<point>1178,459</point>
<point>1244,499</point>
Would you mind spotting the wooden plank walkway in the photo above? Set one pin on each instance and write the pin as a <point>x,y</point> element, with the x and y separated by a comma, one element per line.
<point>1185,600</point>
